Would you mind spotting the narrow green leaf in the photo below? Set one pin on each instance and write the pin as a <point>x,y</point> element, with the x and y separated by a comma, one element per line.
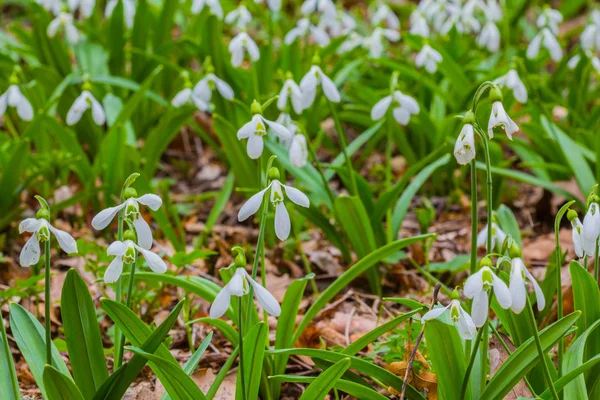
<point>226,329</point>
<point>574,358</point>
<point>60,386</point>
<point>569,376</point>
<point>352,388</point>
<point>319,388</point>
<point>9,385</point>
<point>254,353</point>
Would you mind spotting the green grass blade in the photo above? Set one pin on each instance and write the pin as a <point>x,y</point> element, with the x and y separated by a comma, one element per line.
<point>60,386</point>
<point>319,388</point>
<point>352,388</point>
<point>9,385</point>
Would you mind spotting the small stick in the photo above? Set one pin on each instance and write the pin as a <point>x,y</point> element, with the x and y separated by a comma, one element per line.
<point>436,291</point>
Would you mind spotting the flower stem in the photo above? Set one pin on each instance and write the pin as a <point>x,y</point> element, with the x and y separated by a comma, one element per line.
<point>596,261</point>
<point>388,178</point>
<point>305,260</point>
<point>119,339</point>
<point>343,144</point>
<point>241,345</point>
<point>47,304</point>
<point>465,382</point>
<point>541,354</point>
<point>130,288</point>
<point>559,299</point>
<point>474,217</point>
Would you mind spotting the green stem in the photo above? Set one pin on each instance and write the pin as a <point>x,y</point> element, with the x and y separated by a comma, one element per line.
<point>130,288</point>
<point>241,345</point>
<point>474,217</point>
<point>388,178</point>
<point>559,296</point>
<point>305,261</point>
<point>47,304</point>
<point>538,345</point>
<point>119,339</point>
<point>465,382</point>
<point>11,366</point>
<point>488,167</point>
<point>596,262</point>
<point>344,145</point>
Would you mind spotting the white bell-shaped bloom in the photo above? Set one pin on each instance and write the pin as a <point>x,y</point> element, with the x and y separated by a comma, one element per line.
<point>549,18</point>
<point>512,81</point>
<point>204,88</point>
<point>375,43</point>
<point>274,5</point>
<point>324,7</point>
<point>591,229</point>
<point>577,237</point>
<point>353,41</point>
<point>128,10</point>
<point>311,81</point>
<point>436,12</point>
<point>405,107</point>
<point>41,229</point>
<point>125,252</point>
<point>429,58</point>
<point>298,151</point>
<point>290,91</point>
<point>13,97</point>
<point>385,14</point>
<point>286,120</point>
<point>54,6</point>
<point>492,10</point>
<point>337,25</point>
<point>132,212</point>
<point>188,96</point>
<point>461,18</point>
<point>86,7</point>
<point>82,103</point>
<point>214,6</point>
<point>460,318</point>
<point>499,118</point>
<point>64,21</point>
<point>240,17</point>
<point>239,46</point>
<point>547,39</point>
<point>464,148</point>
<point>303,29</point>
<point>282,218</point>
<point>489,37</point>
<point>418,24</point>
<point>239,286</point>
<point>574,61</point>
<point>477,288</point>
<point>254,132</point>
<point>498,237</point>
<point>590,38</point>
<point>518,291</point>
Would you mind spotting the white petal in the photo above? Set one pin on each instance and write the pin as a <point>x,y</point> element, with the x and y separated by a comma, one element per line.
<point>255,146</point>
<point>433,314</point>
<point>65,241</point>
<point>534,46</point>
<point>224,89</point>
<point>220,305</point>
<point>296,196</point>
<point>265,299</point>
<point>282,222</point>
<point>116,248</point>
<point>53,27</point>
<point>466,326</point>
<point>474,284</point>
<point>539,294</point>
<point>281,131</point>
<point>3,103</point>
<point>29,225</point>
<point>24,109</point>
<point>181,97</point>
<point>331,92</point>
<point>517,289</point>
<point>480,310</point>
<point>155,263</point>
<point>252,50</point>
<point>235,287</point>
<point>103,218</point>
<point>401,115</point>
<point>150,200</point>
<point>380,108</point>
<point>30,254</point>
<point>76,111</point>
<point>247,129</point>
<point>501,292</point>
<point>144,234</point>
<point>98,113</point>
<point>252,205</point>
<point>72,33</point>
<point>114,270</point>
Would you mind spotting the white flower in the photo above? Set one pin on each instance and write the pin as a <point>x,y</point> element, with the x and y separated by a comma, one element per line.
<point>489,37</point>
<point>577,237</point>
<point>498,236</point>
<point>574,61</point>
<point>429,58</point>
<point>591,229</point>
<point>239,17</point>
<point>590,38</point>
<point>205,86</point>
<point>464,148</point>
<point>518,292</point>
<point>325,7</point>
<point>512,81</point>
<point>274,5</point>
<point>239,46</point>
<point>500,118</point>
<point>85,6</point>
<point>291,91</point>
<point>125,252</point>
<point>54,6</point>
<point>188,96</point>
<point>407,106</point>
<point>460,317</point>
<point>548,40</point>
<point>304,28</point>
<point>309,83</point>
<point>83,102</point>
<point>384,13</point>
<point>492,11</point>
<point>128,10</point>
<point>477,287</point>
<point>282,218</point>
<point>132,211</point>
<point>352,41</point>
<point>214,7</point>
<point>375,44</point>
<point>254,132</point>
<point>298,151</point>
<point>339,24</point>
<point>550,18</point>
<point>418,24</point>
<point>238,286</point>
<point>460,17</point>
<point>41,229</point>
<point>64,20</point>
<point>14,98</point>
<point>285,120</point>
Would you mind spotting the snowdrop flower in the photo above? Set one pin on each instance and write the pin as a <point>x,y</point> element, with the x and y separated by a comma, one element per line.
<point>290,91</point>
<point>188,96</point>
<point>286,120</point>
<point>205,87</point>
<point>239,286</point>
<point>13,97</point>
<point>125,253</point>
<point>464,148</point>
<point>576,233</point>
<point>324,7</point>
<point>274,5</point>
<point>574,61</point>
<point>54,6</point>
<point>477,288</point>
<point>352,41</point>
<point>489,37</point>
<point>339,24</point>
<point>214,7</point>
<point>385,14</point>
<point>239,46</point>
<point>256,129</point>
<point>591,228</point>
<point>41,229</point>
<point>518,292</point>
<point>239,17</point>
<point>82,103</point>
<point>375,42</point>
<point>298,151</point>
<point>429,58</point>
<point>128,10</point>
<point>461,18</point>
<point>590,38</point>
<point>65,21</point>
<point>282,218</point>
<point>85,6</point>
<point>499,117</point>
<point>309,83</point>
<point>498,237</point>
<point>548,40</point>
<point>512,81</point>
<point>418,24</point>
<point>550,18</point>
<point>132,212</point>
<point>406,106</point>
<point>436,11</point>
<point>460,318</point>
<point>304,28</point>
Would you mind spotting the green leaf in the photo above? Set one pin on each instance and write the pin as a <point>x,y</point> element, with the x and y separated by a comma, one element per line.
<point>60,386</point>
<point>569,376</point>
<point>12,174</point>
<point>227,330</point>
<point>319,388</point>
<point>31,340</point>
<point>9,385</point>
<point>82,334</point>
<point>254,353</point>
<point>509,224</point>
<point>352,388</point>
<point>574,358</point>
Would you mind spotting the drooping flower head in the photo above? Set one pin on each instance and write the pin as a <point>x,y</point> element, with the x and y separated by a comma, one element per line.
<point>309,84</point>
<point>591,227</point>
<point>214,7</point>
<point>256,129</point>
<point>547,39</point>
<point>590,37</point>
<point>498,236</point>
<point>64,21</point>
<point>240,17</point>
<point>207,85</point>
<point>385,14</point>
<point>428,57</point>
<point>464,148</point>
<point>375,43</point>
<point>499,117</point>
<point>459,317</point>
<point>418,24</point>
<point>304,28</point>
<point>512,81</point>
<point>477,287</point>
<point>298,151</point>
<point>292,92</point>
<point>518,290</point>
<point>549,18</point>
<point>577,233</point>
<point>324,7</point>
<point>13,97</point>
<point>128,10</point>
<point>86,101</point>
<point>239,46</point>
<point>86,7</point>
<point>404,107</point>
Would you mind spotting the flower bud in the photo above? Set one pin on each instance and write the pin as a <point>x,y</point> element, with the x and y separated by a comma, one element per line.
<point>129,193</point>
<point>572,215</point>
<point>256,108</point>
<point>43,213</point>
<point>274,173</point>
